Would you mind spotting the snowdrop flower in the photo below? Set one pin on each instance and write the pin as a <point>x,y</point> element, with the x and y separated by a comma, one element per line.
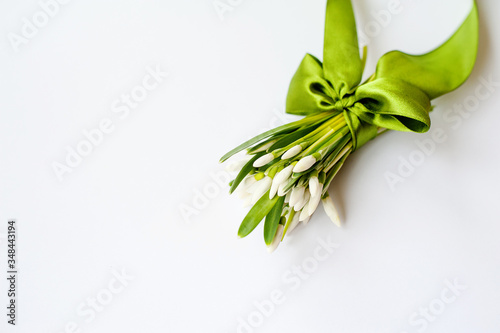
<point>295,222</point>
<point>247,183</point>
<point>331,211</point>
<point>277,239</point>
<point>303,201</point>
<point>236,166</point>
<point>304,214</point>
<point>281,190</point>
<point>291,152</point>
<point>313,185</point>
<point>287,197</point>
<point>314,201</point>
<point>283,175</point>
<point>279,179</point>
<point>297,195</point>
<point>247,201</point>
<point>261,187</point>
<point>273,191</point>
<point>304,164</point>
<point>263,160</point>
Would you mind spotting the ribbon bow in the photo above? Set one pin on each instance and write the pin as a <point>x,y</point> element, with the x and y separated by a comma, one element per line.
<point>398,96</point>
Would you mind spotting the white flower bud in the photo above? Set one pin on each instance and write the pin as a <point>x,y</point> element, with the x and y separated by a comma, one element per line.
<point>297,195</point>
<point>273,190</point>
<point>277,239</point>
<point>287,196</point>
<point>261,188</point>
<point>283,175</point>
<point>291,152</point>
<point>295,222</point>
<point>314,201</point>
<point>235,166</point>
<point>304,214</point>
<point>247,183</point>
<point>304,164</point>
<point>281,190</point>
<point>331,211</point>
<point>303,201</point>
<point>243,194</point>
<point>313,186</point>
<point>247,202</point>
<point>263,160</point>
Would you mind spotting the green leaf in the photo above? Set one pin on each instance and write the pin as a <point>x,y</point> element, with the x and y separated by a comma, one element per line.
<point>288,222</point>
<point>272,221</point>
<point>333,172</point>
<point>256,214</point>
<point>292,137</point>
<point>244,172</point>
<point>336,149</point>
<point>258,146</point>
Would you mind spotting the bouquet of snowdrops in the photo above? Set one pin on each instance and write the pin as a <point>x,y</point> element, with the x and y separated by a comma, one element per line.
<point>287,170</point>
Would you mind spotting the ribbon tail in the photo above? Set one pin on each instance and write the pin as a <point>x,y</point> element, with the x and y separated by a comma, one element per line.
<point>441,70</point>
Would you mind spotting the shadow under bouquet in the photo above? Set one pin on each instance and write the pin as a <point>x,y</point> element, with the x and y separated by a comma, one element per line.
<point>287,170</point>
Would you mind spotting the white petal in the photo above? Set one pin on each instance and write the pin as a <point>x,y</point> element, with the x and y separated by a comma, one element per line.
<point>277,239</point>
<point>281,190</point>
<point>306,221</point>
<point>264,147</point>
<point>235,166</point>
<point>248,201</point>
<point>314,201</point>
<point>243,195</point>
<point>303,215</point>
<point>261,188</point>
<point>304,164</point>
<point>313,186</point>
<point>295,222</point>
<point>263,160</point>
<point>303,202</point>
<point>247,183</point>
<point>297,195</point>
<point>273,190</point>
<point>255,185</point>
<point>291,152</point>
<point>331,211</point>
<point>287,196</point>
<point>283,175</point>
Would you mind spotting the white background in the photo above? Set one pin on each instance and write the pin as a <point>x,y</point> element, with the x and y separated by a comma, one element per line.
<point>120,208</point>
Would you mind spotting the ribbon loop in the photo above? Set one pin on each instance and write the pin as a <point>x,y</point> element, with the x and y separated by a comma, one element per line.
<point>309,91</point>
<point>343,66</point>
<point>393,104</point>
<point>397,96</point>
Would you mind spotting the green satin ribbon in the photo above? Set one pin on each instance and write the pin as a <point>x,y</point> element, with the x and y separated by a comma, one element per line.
<point>398,96</point>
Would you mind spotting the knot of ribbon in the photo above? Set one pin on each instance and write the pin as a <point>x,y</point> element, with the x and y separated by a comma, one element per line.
<point>397,96</point>
<point>344,103</point>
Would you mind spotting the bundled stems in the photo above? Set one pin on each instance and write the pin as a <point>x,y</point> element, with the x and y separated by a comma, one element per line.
<point>287,173</point>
